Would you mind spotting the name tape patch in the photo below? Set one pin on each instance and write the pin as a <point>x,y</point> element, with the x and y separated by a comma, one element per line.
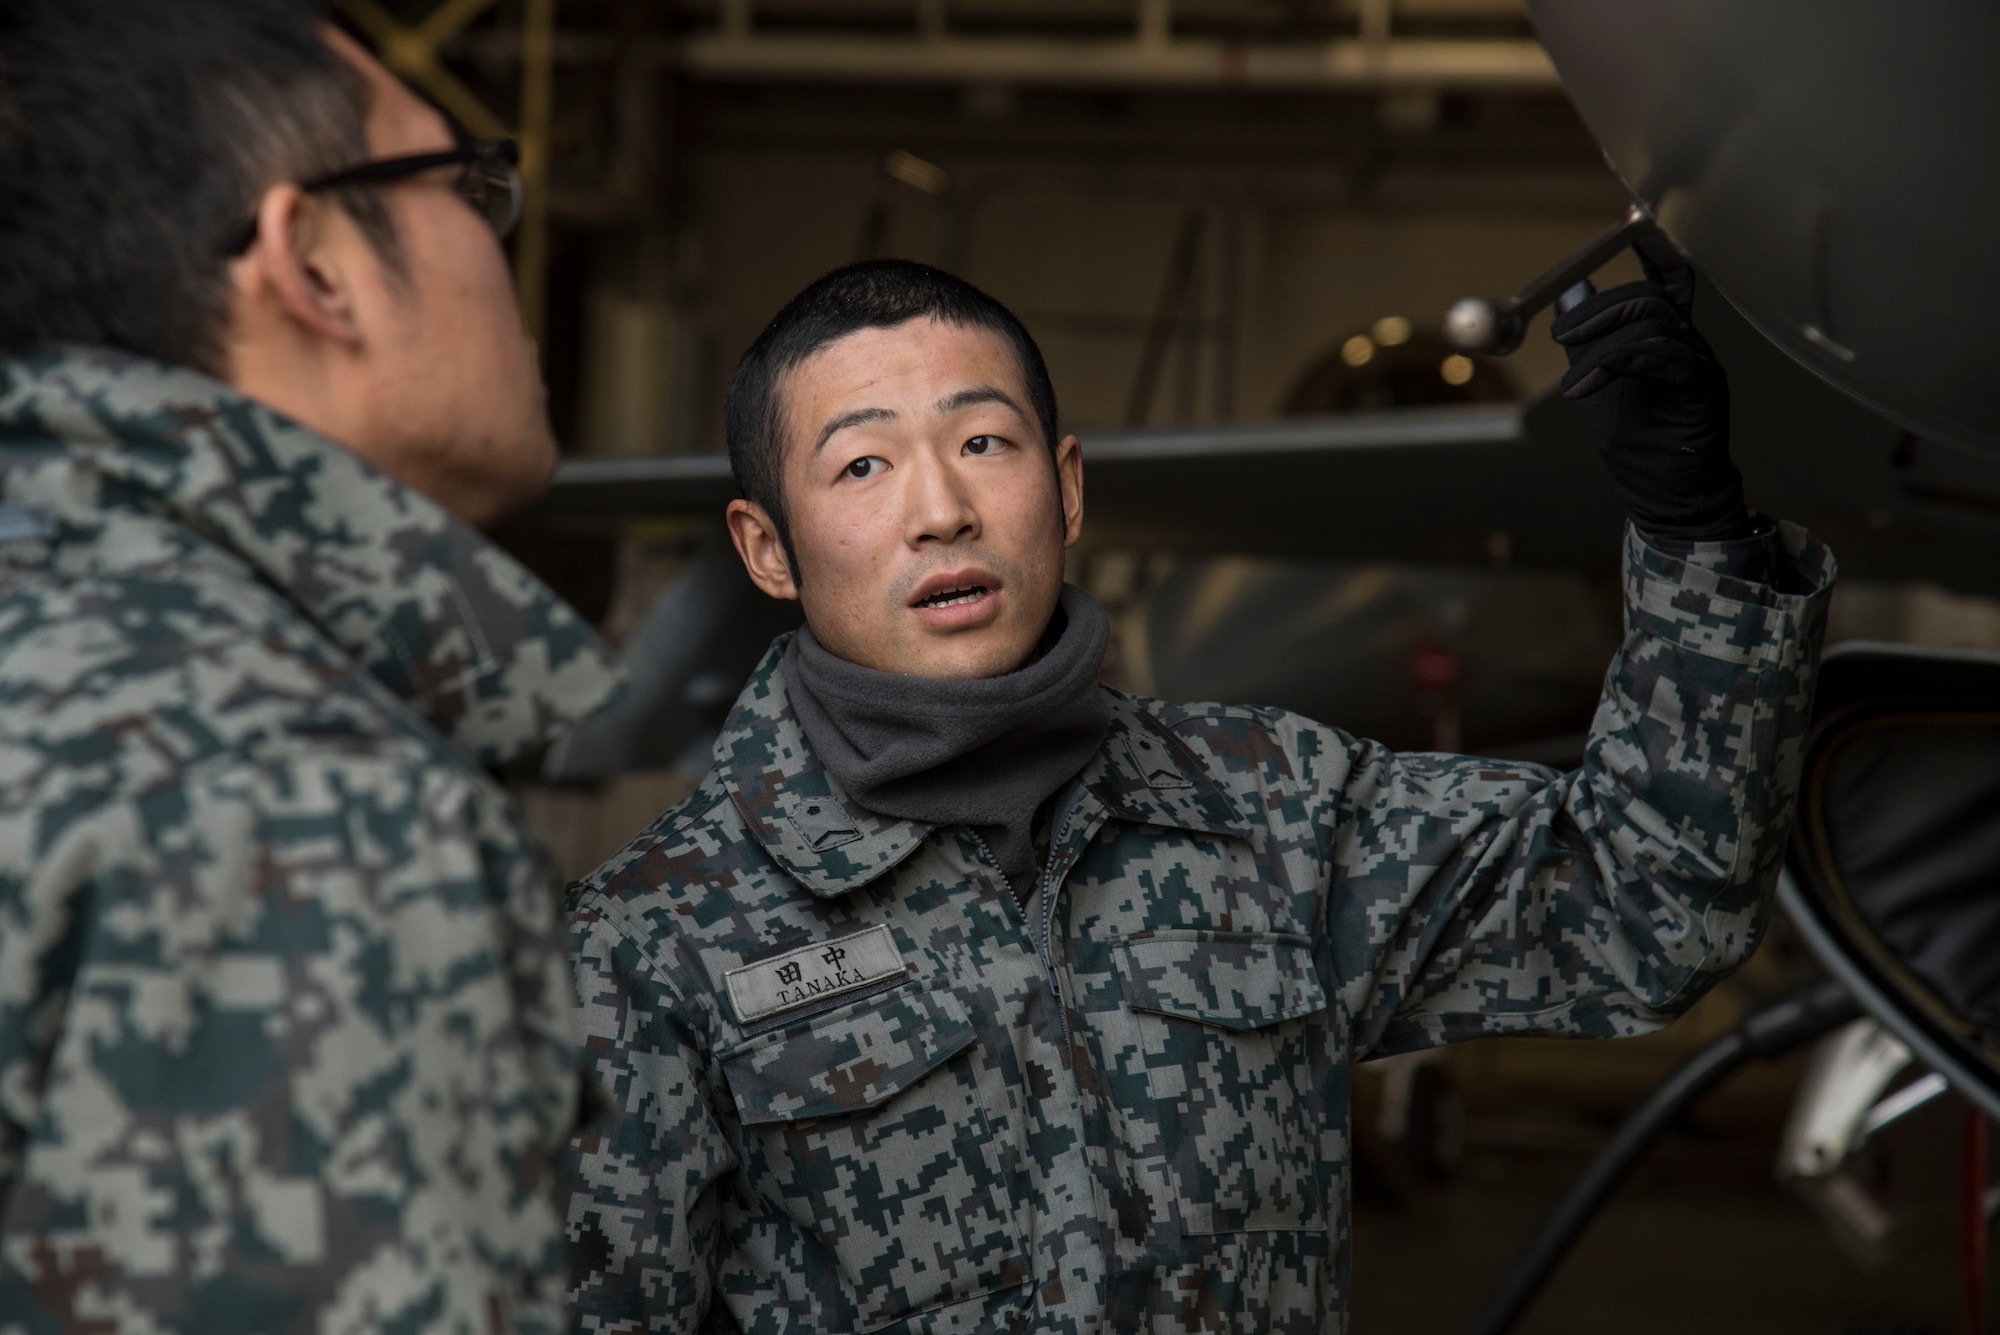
<point>765,988</point>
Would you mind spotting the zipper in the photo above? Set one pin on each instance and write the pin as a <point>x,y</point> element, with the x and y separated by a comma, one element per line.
<point>988,853</point>
<point>1048,888</point>
<point>1048,903</point>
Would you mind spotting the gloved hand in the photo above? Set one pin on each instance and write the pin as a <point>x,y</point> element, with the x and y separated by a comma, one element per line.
<point>1656,401</point>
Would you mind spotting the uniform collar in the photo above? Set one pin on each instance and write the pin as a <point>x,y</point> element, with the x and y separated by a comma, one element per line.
<point>1145,774</point>
<point>438,615</point>
<point>791,804</point>
<point>794,809</point>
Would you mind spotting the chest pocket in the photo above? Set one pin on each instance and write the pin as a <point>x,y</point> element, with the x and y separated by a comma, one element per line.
<point>865,1126</point>
<point>1237,1083</point>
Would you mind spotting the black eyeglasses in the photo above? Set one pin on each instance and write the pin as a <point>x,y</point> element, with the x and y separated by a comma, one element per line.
<point>490,181</point>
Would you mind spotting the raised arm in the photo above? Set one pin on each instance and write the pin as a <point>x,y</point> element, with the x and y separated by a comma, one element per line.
<point>1507,898</point>
<point>1472,897</point>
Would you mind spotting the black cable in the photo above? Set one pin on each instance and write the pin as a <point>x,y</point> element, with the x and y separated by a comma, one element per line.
<point>1809,1013</point>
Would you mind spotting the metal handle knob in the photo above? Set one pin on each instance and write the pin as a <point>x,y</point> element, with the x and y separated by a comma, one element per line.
<point>1496,328</point>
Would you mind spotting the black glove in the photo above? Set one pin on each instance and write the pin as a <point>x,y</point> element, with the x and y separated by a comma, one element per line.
<point>1656,401</point>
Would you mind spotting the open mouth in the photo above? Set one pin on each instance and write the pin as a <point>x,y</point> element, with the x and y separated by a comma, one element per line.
<point>958,597</point>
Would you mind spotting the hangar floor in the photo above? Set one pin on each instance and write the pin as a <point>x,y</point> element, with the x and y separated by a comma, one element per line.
<point>1700,1239</point>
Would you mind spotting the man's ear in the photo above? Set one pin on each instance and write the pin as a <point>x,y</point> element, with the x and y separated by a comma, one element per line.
<point>301,263</point>
<point>757,542</point>
<point>1069,481</point>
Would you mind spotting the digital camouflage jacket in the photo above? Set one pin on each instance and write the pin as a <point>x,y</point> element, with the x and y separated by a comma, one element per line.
<point>860,1089</point>
<point>287,1030</point>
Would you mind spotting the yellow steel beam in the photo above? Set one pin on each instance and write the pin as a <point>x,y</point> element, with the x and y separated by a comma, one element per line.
<point>538,41</point>
<point>413,53</point>
<point>450,18</point>
<point>1500,64</point>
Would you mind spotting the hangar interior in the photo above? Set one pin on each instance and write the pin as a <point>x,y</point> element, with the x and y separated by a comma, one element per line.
<point>1210,213</point>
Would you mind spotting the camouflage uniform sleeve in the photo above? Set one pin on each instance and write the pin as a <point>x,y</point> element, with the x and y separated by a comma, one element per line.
<point>1475,897</point>
<point>304,1059</point>
<point>644,1223</point>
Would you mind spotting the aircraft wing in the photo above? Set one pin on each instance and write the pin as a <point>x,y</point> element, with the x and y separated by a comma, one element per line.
<point>1422,484</point>
<point>1481,484</point>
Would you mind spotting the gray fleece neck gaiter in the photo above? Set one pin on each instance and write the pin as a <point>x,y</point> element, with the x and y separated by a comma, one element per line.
<point>984,753</point>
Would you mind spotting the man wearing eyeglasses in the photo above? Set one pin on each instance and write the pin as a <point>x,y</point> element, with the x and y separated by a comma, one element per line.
<point>287,1038</point>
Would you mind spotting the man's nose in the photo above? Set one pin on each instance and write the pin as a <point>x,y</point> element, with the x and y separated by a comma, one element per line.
<point>941,505</point>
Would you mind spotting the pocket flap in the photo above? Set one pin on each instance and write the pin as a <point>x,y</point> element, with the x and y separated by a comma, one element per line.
<point>1233,980</point>
<point>846,1060</point>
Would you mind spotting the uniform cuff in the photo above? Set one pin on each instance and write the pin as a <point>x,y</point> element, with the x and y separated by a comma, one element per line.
<point>1751,559</point>
<point>1694,595</point>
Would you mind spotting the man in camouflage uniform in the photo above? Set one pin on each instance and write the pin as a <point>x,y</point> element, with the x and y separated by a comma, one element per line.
<point>287,1028</point>
<point>876,1070</point>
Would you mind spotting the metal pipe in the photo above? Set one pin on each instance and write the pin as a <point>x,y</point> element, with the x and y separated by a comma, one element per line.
<point>1377,20</point>
<point>1229,316</point>
<point>1495,64</point>
<point>1168,315</point>
<point>1902,1103</point>
<point>1495,328</point>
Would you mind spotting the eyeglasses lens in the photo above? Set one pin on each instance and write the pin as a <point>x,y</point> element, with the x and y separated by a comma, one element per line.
<point>494,191</point>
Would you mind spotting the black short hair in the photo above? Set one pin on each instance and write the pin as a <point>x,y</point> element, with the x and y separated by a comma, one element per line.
<point>135,138</point>
<point>874,294</point>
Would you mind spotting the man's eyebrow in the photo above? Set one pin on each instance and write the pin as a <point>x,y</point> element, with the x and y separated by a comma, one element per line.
<point>972,398</point>
<point>846,420</point>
